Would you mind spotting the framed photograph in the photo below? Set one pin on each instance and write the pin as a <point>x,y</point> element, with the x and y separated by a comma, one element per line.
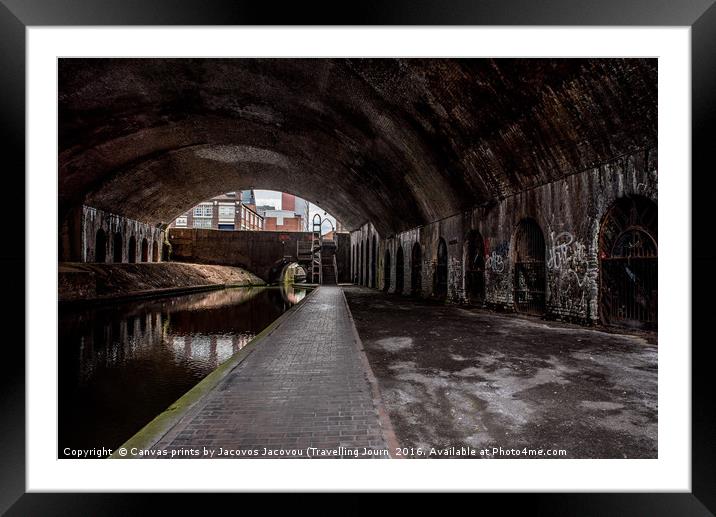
<point>426,233</point>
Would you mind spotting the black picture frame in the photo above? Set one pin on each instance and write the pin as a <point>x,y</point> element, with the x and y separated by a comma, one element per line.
<point>17,15</point>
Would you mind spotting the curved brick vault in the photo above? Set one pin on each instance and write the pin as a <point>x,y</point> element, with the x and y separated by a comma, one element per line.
<point>397,142</point>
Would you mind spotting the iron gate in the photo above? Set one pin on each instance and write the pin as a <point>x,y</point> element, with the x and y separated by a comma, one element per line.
<point>530,277</point>
<point>628,256</point>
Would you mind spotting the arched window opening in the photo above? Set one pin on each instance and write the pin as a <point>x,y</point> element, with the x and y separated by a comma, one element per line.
<point>441,271</point>
<point>145,250</point>
<point>132,250</point>
<point>628,263</point>
<point>416,270</point>
<point>100,246</point>
<point>117,250</point>
<point>530,277</point>
<point>155,251</point>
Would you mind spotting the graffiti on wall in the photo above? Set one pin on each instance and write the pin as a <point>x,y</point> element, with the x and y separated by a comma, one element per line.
<point>496,257</point>
<point>568,259</point>
<point>495,262</point>
<point>455,274</point>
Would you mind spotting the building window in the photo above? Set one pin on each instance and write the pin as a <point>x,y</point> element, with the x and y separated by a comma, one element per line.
<point>227,212</point>
<point>202,223</point>
<point>203,210</point>
<point>181,221</point>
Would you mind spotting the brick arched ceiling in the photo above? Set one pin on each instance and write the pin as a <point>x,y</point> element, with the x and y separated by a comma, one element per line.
<point>398,142</point>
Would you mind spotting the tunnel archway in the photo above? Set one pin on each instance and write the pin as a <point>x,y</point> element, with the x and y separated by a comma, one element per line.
<point>399,270</point>
<point>416,270</point>
<point>475,268</point>
<point>367,137</point>
<point>278,273</point>
<point>117,249</point>
<point>529,268</point>
<point>132,250</point>
<point>155,251</point>
<point>145,250</point>
<point>386,271</point>
<point>441,271</point>
<point>374,264</point>
<point>100,253</point>
<point>628,253</point>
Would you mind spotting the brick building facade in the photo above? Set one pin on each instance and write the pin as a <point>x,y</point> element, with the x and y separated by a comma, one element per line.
<point>230,211</point>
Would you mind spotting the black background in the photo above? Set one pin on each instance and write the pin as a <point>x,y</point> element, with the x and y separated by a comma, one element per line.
<point>15,15</point>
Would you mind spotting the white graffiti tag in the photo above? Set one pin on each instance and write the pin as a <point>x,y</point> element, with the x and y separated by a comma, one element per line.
<point>495,262</point>
<point>568,257</point>
<point>565,251</point>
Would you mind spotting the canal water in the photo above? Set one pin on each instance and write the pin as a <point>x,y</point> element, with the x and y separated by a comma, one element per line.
<point>120,365</point>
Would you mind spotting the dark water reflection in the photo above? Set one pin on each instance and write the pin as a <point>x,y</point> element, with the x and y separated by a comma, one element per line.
<point>120,365</point>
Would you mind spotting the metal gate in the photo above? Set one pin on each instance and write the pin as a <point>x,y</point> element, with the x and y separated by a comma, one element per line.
<point>530,278</point>
<point>628,264</point>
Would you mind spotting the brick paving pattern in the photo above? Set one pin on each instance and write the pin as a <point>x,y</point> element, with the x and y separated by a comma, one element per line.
<point>302,387</point>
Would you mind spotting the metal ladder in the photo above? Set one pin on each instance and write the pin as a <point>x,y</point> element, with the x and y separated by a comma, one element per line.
<point>316,265</point>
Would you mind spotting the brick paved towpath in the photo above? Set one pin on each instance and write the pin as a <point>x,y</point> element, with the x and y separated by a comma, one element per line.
<point>306,385</point>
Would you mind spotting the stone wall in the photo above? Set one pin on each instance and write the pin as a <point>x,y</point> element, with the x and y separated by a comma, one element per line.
<point>78,237</point>
<point>263,253</point>
<point>568,211</point>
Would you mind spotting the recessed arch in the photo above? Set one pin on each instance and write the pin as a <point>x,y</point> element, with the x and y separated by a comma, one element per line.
<point>100,253</point>
<point>117,248</point>
<point>399,270</point>
<point>132,250</point>
<point>155,251</point>
<point>441,271</point>
<point>628,260</point>
<point>416,270</point>
<point>145,250</point>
